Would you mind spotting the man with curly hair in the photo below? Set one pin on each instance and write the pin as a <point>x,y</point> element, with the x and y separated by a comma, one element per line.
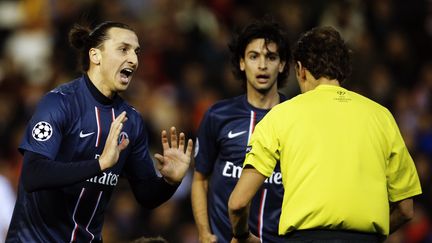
<point>260,56</point>
<point>347,174</point>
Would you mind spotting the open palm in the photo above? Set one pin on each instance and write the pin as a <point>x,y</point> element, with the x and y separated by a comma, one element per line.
<point>175,161</point>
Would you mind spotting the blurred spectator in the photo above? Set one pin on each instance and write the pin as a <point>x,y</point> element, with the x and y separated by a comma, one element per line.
<point>345,16</point>
<point>7,198</point>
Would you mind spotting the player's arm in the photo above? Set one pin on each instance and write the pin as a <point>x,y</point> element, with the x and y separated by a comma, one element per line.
<point>40,172</point>
<point>238,205</point>
<point>149,189</point>
<point>400,213</point>
<point>173,165</point>
<point>199,207</point>
<point>152,192</point>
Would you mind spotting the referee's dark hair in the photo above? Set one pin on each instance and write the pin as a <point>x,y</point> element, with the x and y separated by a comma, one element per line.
<point>324,53</point>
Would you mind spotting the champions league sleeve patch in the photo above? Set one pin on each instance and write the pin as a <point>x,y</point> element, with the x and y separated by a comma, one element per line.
<point>42,131</point>
<point>248,149</point>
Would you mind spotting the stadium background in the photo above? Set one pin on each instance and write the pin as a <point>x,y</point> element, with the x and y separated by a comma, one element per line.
<point>184,68</point>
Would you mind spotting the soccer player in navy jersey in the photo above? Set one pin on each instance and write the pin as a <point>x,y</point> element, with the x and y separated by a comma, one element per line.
<point>260,55</point>
<point>82,138</point>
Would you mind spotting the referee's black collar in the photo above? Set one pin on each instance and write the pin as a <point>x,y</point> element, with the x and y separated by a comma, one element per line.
<point>101,98</point>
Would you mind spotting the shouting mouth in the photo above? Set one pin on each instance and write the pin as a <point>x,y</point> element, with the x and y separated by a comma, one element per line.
<point>125,75</point>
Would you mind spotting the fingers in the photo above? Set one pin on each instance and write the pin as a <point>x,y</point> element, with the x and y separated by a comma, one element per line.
<point>159,161</point>
<point>122,117</point>
<point>111,149</point>
<point>173,137</point>
<point>164,140</point>
<point>181,142</point>
<point>189,148</point>
<point>116,127</point>
<point>123,144</point>
<point>176,142</point>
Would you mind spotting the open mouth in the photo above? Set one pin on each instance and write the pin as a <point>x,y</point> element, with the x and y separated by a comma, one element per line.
<point>262,77</point>
<point>125,73</point>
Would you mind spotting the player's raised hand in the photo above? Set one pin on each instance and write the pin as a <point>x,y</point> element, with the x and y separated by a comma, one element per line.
<point>112,149</point>
<point>175,161</point>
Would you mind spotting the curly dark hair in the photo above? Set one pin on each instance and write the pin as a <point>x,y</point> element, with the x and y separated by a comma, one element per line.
<point>269,30</point>
<point>83,38</point>
<point>324,53</point>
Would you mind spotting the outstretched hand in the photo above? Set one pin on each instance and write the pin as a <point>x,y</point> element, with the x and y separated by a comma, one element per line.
<point>175,161</point>
<point>112,149</point>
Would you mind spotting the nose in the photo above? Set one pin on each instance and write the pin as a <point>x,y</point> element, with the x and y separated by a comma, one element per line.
<point>133,59</point>
<point>262,63</point>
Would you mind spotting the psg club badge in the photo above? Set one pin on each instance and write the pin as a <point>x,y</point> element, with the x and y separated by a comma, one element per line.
<point>122,136</point>
<point>42,131</point>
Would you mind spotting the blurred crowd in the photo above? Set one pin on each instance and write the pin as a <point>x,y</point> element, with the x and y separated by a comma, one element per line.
<point>184,68</point>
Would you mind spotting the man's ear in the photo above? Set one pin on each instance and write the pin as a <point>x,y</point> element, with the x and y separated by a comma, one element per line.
<point>300,71</point>
<point>95,56</point>
<point>282,66</point>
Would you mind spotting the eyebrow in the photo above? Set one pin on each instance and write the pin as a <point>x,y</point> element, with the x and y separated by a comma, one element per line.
<point>129,45</point>
<point>259,53</point>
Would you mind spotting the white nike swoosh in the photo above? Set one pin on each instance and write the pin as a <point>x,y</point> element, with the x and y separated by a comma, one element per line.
<point>233,135</point>
<point>83,135</point>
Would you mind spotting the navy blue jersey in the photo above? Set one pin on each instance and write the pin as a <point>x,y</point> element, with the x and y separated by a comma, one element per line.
<point>70,124</point>
<point>220,151</point>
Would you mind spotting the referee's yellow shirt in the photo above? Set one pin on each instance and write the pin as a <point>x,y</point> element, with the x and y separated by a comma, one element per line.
<point>342,160</point>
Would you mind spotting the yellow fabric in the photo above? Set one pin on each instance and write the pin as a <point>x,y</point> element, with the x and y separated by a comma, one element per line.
<point>342,160</point>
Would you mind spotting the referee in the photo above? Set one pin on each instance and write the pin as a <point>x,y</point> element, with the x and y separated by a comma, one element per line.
<point>347,174</point>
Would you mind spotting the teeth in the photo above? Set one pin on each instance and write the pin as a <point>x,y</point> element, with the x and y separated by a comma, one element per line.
<point>127,71</point>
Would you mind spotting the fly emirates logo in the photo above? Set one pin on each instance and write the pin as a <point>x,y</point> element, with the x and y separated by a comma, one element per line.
<point>233,171</point>
<point>108,179</point>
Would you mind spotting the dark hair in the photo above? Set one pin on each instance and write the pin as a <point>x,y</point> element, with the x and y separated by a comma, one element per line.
<point>83,39</point>
<point>324,53</point>
<point>269,30</point>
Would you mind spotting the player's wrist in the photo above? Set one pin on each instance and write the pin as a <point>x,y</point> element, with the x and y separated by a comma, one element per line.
<point>171,182</point>
<point>102,164</point>
<point>242,235</point>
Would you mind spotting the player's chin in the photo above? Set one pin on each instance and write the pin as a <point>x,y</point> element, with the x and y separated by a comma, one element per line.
<point>262,85</point>
<point>122,87</point>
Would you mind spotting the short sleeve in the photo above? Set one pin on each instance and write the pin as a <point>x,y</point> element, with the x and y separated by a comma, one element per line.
<point>402,179</point>
<point>206,144</point>
<point>45,130</point>
<point>263,147</point>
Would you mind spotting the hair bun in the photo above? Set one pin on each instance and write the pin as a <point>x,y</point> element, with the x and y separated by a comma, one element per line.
<point>78,36</point>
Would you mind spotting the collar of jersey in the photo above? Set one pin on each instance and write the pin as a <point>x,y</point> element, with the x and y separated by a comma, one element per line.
<point>328,87</point>
<point>97,94</point>
<point>259,110</point>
